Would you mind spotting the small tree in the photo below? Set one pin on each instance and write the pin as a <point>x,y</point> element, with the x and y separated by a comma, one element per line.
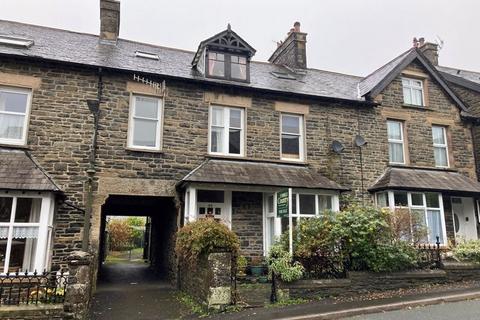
<point>121,235</point>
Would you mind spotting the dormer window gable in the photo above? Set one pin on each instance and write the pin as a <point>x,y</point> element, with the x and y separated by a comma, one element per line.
<point>224,56</point>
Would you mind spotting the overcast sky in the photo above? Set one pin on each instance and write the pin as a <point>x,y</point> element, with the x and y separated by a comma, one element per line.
<point>348,36</point>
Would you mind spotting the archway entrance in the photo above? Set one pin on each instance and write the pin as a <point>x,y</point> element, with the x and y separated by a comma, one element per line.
<point>134,275</point>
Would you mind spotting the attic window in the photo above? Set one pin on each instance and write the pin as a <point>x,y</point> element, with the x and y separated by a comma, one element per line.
<point>14,41</point>
<point>227,66</point>
<point>283,75</point>
<point>146,55</point>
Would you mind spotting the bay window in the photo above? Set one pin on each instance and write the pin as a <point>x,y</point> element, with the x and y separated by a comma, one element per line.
<point>25,231</point>
<point>226,131</point>
<point>292,137</point>
<point>145,123</point>
<point>396,142</point>
<point>14,113</point>
<point>428,206</point>
<point>440,146</point>
<point>305,205</point>
<point>412,91</point>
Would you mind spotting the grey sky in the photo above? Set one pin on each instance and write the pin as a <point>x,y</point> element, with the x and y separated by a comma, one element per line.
<point>349,36</point>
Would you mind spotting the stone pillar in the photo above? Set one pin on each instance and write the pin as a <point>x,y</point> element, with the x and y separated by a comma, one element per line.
<point>220,286</point>
<point>79,290</point>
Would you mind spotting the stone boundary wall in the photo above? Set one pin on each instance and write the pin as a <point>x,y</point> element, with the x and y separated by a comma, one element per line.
<point>209,280</point>
<point>358,282</point>
<point>77,297</point>
<point>34,312</point>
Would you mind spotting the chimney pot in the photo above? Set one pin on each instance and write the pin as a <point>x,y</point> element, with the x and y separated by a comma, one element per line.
<point>429,49</point>
<point>109,20</point>
<point>296,26</point>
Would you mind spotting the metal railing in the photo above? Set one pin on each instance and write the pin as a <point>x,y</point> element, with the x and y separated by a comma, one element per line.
<point>33,288</point>
<point>429,255</point>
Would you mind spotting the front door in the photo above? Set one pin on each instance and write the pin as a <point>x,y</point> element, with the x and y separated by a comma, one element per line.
<point>463,211</point>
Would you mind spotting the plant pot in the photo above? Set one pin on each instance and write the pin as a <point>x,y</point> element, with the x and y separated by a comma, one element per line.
<point>256,271</point>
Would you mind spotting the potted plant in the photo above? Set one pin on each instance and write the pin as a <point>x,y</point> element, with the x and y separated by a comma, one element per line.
<point>257,267</point>
<point>242,263</point>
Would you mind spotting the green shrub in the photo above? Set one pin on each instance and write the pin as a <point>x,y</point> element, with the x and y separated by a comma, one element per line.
<point>280,262</point>
<point>205,236</point>
<point>468,251</point>
<point>391,257</point>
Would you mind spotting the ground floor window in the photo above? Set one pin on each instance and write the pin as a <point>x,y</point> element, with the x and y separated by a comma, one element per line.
<point>25,231</point>
<point>304,206</point>
<point>426,205</point>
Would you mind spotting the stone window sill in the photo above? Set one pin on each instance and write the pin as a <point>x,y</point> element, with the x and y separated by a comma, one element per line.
<point>144,150</point>
<point>15,146</point>
<point>412,106</point>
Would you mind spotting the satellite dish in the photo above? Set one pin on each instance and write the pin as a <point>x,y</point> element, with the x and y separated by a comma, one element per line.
<point>337,146</point>
<point>360,141</point>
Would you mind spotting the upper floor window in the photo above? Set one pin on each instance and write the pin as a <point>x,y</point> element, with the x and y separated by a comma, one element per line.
<point>440,146</point>
<point>14,113</point>
<point>396,146</point>
<point>412,91</point>
<point>292,144</point>
<point>145,123</point>
<point>226,130</point>
<point>227,66</point>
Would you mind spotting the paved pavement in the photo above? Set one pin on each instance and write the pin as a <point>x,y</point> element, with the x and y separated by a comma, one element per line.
<point>129,291</point>
<point>464,310</point>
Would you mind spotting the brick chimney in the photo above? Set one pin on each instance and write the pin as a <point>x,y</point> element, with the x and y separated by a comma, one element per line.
<point>430,50</point>
<point>109,20</point>
<point>292,51</point>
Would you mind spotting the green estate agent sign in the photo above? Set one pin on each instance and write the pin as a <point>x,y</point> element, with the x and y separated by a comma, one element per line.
<point>282,203</point>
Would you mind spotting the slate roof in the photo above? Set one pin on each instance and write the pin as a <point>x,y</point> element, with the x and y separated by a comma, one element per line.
<point>426,180</point>
<point>80,48</point>
<point>18,171</point>
<point>260,173</point>
<point>374,83</point>
<point>467,79</point>
<point>373,79</point>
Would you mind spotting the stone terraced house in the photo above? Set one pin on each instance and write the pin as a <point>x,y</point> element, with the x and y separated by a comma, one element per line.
<point>95,125</point>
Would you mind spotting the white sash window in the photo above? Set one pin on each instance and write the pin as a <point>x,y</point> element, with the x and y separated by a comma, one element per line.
<point>14,112</point>
<point>25,229</point>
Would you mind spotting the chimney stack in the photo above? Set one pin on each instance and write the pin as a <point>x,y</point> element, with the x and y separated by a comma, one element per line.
<point>109,20</point>
<point>429,49</point>
<point>292,52</point>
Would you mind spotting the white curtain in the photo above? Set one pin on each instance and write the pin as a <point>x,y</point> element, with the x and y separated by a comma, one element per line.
<point>11,126</point>
<point>434,221</point>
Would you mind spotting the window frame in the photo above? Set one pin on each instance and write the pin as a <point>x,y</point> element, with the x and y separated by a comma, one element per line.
<point>395,141</point>
<point>26,122</point>
<point>227,74</point>
<point>226,130</point>
<point>390,193</point>
<point>131,124</point>
<point>44,225</point>
<point>301,135</point>
<point>444,146</point>
<point>277,222</point>
<point>411,87</point>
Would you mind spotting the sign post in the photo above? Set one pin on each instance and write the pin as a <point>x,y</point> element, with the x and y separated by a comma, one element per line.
<point>284,210</point>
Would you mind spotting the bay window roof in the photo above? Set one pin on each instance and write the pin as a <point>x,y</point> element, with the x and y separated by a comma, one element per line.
<point>18,171</point>
<point>260,174</point>
<point>425,180</point>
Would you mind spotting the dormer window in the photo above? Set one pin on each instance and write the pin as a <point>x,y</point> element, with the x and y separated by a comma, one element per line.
<point>216,64</point>
<point>238,67</point>
<point>224,56</point>
<point>227,66</point>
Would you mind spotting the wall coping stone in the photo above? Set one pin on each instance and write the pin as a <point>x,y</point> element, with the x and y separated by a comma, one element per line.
<point>415,274</point>
<point>317,283</point>
<point>79,258</point>
<point>457,265</point>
